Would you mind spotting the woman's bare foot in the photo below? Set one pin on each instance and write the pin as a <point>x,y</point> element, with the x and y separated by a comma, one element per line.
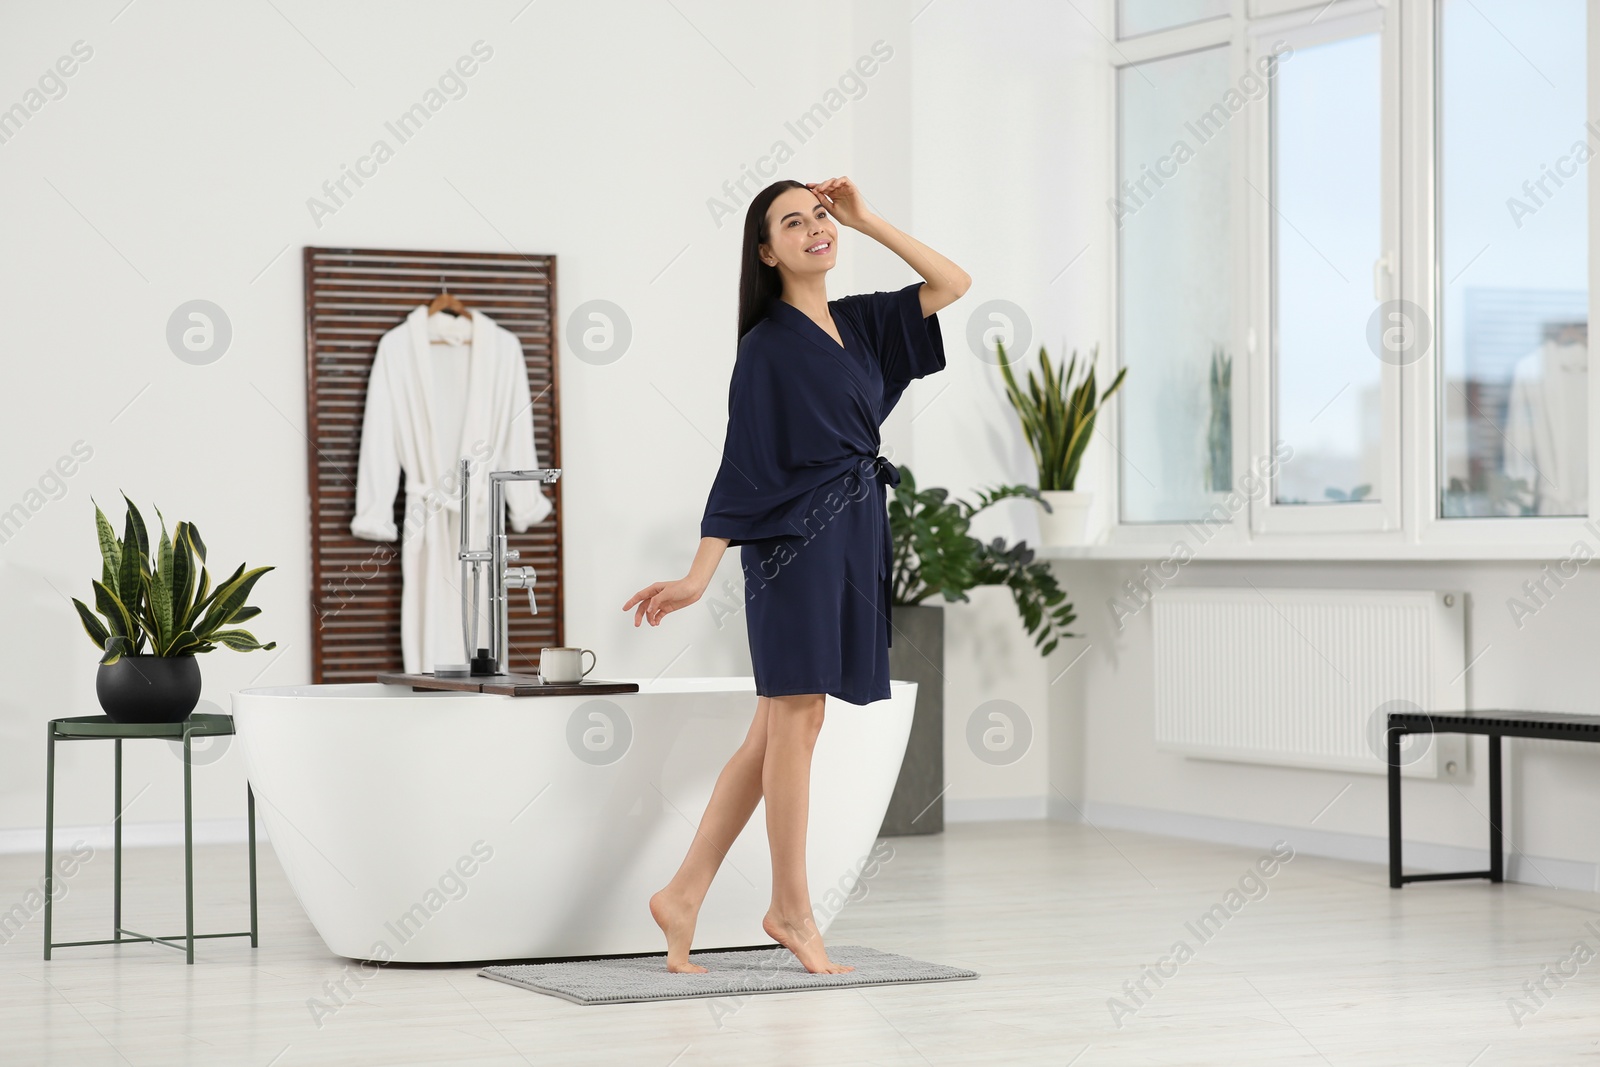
<point>676,918</point>
<point>801,938</point>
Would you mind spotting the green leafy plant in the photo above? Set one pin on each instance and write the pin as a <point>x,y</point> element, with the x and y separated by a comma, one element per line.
<point>166,601</point>
<point>1219,433</point>
<point>933,553</point>
<point>1058,413</point>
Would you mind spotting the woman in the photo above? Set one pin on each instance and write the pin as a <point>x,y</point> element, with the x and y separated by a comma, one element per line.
<point>801,489</point>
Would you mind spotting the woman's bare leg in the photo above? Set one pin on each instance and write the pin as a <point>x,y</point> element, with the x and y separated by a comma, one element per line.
<point>792,728</point>
<point>733,799</point>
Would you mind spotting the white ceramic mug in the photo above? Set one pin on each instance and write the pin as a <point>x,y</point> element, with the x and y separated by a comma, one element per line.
<point>564,666</point>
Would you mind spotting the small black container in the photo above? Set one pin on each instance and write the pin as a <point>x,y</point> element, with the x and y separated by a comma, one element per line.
<point>482,665</point>
<point>149,688</point>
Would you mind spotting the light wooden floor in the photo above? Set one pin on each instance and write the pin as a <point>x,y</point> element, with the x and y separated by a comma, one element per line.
<point>1329,967</point>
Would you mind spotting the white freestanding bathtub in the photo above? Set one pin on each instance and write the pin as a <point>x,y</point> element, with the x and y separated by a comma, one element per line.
<point>451,827</point>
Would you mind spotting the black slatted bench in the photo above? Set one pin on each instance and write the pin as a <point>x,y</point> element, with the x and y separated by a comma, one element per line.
<point>1494,725</point>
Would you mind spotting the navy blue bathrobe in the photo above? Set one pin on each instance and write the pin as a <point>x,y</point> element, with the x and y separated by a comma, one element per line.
<point>804,493</point>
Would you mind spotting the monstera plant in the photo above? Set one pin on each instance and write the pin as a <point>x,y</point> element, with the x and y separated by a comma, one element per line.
<point>156,613</point>
<point>934,554</point>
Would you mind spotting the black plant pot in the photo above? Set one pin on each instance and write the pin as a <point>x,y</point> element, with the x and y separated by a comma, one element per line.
<point>149,688</point>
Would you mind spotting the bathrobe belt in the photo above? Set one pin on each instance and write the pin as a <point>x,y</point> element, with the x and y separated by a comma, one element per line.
<point>452,499</point>
<point>887,472</point>
<point>888,476</point>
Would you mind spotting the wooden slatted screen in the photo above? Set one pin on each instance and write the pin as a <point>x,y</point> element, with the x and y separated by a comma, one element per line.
<point>353,297</point>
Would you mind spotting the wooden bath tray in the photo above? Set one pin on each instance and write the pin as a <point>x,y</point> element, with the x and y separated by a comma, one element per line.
<point>510,685</point>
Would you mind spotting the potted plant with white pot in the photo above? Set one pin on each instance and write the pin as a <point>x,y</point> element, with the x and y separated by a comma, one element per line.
<point>169,603</point>
<point>1058,413</point>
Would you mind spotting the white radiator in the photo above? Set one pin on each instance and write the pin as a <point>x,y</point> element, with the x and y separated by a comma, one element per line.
<point>1298,676</point>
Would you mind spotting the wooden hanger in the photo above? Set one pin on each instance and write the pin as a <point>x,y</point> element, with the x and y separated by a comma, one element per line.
<point>447,301</point>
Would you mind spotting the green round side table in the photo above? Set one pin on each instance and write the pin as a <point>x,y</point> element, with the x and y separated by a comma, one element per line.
<point>92,727</point>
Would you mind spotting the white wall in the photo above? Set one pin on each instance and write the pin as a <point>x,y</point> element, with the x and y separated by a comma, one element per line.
<point>178,165</point>
<point>1012,120</point>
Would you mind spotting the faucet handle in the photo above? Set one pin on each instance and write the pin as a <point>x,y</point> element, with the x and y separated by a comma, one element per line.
<point>523,578</point>
<point>512,553</point>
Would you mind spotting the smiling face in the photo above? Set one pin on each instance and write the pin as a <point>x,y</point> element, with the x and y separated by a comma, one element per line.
<point>801,237</point>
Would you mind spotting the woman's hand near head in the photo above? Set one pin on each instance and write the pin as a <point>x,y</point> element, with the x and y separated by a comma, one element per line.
<point>843,201</point>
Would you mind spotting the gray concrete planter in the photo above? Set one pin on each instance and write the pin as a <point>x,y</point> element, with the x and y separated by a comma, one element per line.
<point>917,655</point>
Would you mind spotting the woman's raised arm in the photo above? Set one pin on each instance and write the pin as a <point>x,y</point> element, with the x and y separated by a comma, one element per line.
<point>946,282</point>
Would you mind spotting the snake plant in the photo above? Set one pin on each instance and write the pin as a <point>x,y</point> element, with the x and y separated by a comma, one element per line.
<point>1057,414</point>
<point>167,601</point>
<point>1219,431</point>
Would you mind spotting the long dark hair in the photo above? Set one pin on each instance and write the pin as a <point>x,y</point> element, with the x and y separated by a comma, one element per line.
<point>759,284</point>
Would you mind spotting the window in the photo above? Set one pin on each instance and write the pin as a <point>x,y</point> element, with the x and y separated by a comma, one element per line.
<point>1513,263</point>
<point>1174,233</point>
<point>1352,247</point>
<point>1326,225</point>
<point>1135,17</point>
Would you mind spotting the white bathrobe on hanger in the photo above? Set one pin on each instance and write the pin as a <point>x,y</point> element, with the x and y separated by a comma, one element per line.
<point>424,383</point>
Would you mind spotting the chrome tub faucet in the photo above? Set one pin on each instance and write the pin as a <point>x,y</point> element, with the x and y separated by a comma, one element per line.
<point>501,577</point>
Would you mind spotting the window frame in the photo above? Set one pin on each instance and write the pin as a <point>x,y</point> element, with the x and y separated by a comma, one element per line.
<point>1427,290</point>
<point>1116,23</point>
<point>1191,38</point>
<point>1303,29</point>
<point>1406,523</point>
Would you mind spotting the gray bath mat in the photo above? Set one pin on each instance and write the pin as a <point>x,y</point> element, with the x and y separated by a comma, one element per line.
<point>731,974</point>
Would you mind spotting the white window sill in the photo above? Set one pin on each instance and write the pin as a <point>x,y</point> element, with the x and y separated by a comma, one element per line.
<point>1307,549</point>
